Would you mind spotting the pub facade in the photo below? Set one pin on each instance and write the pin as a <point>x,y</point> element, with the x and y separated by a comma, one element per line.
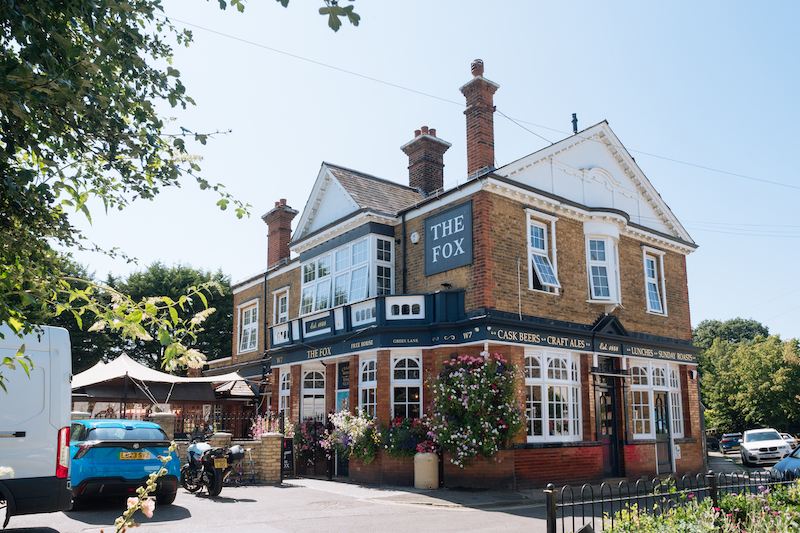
<point>566,261</point>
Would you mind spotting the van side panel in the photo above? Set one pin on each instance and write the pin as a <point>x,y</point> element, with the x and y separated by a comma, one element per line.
<point>32,412</point>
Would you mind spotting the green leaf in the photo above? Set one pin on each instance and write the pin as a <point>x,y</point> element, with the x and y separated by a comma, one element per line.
<point>163,337</point>
<point>174,315</point>
<point>136,316</point>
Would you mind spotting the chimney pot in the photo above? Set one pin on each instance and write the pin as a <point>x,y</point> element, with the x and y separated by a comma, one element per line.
<point>477,67</point>
<point>432,132</point>
<point>424,130</point>
<point>417,133</point>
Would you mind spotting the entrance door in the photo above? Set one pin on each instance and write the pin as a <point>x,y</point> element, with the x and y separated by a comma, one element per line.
<point>607,429</point>
<point>663,447</point>
<point>606,402</point>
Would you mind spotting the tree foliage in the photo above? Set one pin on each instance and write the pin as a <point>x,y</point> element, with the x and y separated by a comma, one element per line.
<point>214,339</point>
<point>753,383</point>
<point>731,331</point>
<point>80,81</point>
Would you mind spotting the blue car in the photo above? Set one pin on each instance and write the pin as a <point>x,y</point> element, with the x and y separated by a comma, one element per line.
<point>789,466</point>
<point>113,458</point>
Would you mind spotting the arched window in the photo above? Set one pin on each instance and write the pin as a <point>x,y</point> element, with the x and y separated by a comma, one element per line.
<point>313,405</point>
<point>552,399</point>
<point>407,387</point>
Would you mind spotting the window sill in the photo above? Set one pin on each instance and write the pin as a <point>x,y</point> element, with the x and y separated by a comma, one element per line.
<point>539,291</point>
<point>608,304</point>
<point>241,352</point>
<point>656,313</point>
<point>533,445</point>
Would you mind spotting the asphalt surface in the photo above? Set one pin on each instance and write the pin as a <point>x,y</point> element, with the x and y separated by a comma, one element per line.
<point>355,508</point>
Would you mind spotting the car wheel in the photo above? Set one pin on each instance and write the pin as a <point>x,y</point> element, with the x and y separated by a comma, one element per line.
<point>166,499</point>
<point>745,462</point>
<point>187,480</point>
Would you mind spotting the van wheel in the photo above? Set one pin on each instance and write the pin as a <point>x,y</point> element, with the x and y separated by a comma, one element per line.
<point>166,499</point>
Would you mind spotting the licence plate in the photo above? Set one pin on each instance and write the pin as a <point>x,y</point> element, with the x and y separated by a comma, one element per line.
<point>220,463</point>
<point>134,455</point>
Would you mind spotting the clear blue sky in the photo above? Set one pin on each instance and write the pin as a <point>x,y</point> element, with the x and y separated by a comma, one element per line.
<point>703,94</point>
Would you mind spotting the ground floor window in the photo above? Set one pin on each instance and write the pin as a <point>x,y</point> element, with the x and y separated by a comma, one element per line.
<point>368,384</point>
<point>552,396</point>
<point>407,386</point>
<point>313,398</point>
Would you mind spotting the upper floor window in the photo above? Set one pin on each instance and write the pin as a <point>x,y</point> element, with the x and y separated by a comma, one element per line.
<point>281,306</point>
<point>347,275</point>
<point>542,274</point>
<point>654,284</point>
<point>248,328</point>
<point>601,263</point>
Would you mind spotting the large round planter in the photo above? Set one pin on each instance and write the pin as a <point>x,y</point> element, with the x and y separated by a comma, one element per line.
<point>426,471</point>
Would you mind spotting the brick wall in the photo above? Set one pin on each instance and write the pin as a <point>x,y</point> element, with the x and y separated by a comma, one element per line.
<point>639,459</point>
<point>492,280</point>
<point>482,473</point>
<point>384,470</point>
<point>559,465</point>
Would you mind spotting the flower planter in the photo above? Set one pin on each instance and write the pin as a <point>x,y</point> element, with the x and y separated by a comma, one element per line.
<point>426,471</point>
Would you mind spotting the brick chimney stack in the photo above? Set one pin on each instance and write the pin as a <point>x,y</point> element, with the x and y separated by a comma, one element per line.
<point>426,160</point>
<point>479,93</point>
<point>279,220</point>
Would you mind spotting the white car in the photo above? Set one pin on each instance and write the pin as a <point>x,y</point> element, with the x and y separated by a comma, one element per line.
<point>763,446</point>
<point>791,441</point>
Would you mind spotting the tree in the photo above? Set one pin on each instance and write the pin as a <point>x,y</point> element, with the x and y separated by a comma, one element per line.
<point>79,85</point>
<point>731,331</point>
<point>214,339</point>
<point>753,383</point>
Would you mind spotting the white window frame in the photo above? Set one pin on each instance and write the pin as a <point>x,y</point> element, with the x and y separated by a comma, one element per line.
<point>319,293</point>
<point>247,338</point>
<point>547,419</point>
<point>406,382</point>
<point>654,283</point>
<point>611,265</point>
<point>368,385</point>
<point>546,256</point>
<point>280,316</point>
<point>284,394</point>
<point>314,393</point>
<point>649,377</point>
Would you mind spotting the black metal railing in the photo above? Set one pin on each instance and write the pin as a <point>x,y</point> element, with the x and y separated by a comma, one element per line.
<point>596,505</point>
<point>239,425</point>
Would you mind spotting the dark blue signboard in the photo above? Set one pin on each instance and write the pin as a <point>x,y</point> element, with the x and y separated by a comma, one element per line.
<point>343,376</point>
<point>448,239</point>
<point>318,324</point>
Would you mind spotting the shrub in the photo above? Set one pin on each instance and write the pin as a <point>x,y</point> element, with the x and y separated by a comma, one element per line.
<point>307,439</point>
<point>404,435</point>
<point>352,435</point>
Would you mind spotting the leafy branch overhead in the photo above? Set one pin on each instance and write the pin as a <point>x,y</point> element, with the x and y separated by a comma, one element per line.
<point>80,84</point>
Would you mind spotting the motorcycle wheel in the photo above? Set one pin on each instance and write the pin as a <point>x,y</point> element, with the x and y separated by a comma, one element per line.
<point>214,482</point>
<point>188,482</point>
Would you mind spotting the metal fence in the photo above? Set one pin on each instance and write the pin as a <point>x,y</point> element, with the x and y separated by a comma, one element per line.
<point>239,425</point>
<point>596,505</point>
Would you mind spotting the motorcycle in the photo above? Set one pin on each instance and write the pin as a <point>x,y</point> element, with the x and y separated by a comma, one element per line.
<point>209,467</point>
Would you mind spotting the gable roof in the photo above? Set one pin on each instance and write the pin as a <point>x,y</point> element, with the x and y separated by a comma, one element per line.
<point>593,168</point>
<point>340,192</point>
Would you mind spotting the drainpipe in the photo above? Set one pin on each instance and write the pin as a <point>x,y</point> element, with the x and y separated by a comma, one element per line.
<point>266,334</point>
<point>404,253</point>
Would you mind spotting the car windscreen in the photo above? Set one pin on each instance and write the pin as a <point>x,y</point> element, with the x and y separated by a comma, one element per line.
<point>117,433</point>
<point>766,435</point>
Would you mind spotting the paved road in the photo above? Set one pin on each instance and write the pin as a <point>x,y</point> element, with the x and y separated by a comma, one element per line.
<point>311,505</point>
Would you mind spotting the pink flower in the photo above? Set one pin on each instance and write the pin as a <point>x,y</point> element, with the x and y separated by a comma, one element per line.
<point>148,506</point>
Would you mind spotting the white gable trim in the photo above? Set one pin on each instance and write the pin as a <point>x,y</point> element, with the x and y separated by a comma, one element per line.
<point>602,133</point>
<point>325,181</point>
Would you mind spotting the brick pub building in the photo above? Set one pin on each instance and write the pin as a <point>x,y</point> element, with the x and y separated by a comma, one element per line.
<point>566,261</point>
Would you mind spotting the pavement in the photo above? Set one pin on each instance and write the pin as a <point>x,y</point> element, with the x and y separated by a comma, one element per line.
<point>446,497</point>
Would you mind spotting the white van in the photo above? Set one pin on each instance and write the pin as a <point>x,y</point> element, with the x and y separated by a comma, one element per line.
<point>34,424</point>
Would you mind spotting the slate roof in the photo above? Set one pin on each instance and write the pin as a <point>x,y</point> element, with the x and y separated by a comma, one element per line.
<point>373,193</point>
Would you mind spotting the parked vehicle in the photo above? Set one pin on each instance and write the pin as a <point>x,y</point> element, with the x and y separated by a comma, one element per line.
<point>712,443</point>
<point>730,442</point>
<point>209,466</point>
<point>763,446</point>
<point>115,457</point>
<point>788,467</point>
<point>791,441</point>
<point>34,424</point>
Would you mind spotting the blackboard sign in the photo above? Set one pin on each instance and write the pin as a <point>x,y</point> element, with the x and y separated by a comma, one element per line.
<point>343,376</point>
<point>288,455</point>
<point>448,239</point>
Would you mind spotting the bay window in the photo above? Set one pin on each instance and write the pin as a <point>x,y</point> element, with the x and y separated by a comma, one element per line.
<point>347,275</point>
